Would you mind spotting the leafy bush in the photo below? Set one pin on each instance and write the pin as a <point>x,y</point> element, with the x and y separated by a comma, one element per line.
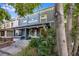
<point>46,43</point>
<point>43,46</point>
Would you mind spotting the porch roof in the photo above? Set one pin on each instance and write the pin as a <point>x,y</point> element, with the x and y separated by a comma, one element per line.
<point>31,26</point>
<point>27,26</point>
<point>6,29</point>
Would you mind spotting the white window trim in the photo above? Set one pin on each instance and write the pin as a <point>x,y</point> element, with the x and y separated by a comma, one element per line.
<point>45,17</point>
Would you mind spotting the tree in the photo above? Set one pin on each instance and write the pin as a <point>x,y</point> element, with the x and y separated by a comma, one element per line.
<point>4,14</point>
<point>69,27</point>
<point>76,29</point>
<point>74,26</point>
<point>76,41</point>
<point>23,9</point>
<point>61,37</point>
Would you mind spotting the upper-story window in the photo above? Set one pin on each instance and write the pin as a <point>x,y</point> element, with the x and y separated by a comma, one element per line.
<point>24,21</point>
<point>7,24</point>
<point>11,24</point>
<point>43,18</point>
<point>33,19</point>
<point>15,23</point>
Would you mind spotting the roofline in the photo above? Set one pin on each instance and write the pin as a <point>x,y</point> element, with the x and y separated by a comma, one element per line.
<point>26,26</point>
<point>43,10</point>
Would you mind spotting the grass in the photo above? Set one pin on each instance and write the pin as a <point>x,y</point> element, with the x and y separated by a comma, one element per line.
<point>28,51</point>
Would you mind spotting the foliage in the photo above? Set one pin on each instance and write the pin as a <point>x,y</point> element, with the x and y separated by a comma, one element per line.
<point>43,46</point>
<point>74,28</point>
<point>21,8</point>
<point>47,44</point>
<point>74,21</point>
<point>65,9</point>
<point>28,51</point>
<point>76,9</point>
<point>24,8</point>
<point>4,14</point>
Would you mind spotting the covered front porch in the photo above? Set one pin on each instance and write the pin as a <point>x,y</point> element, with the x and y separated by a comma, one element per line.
<point>6,34</point>
<point>6,37</point>
<point>29,31</point>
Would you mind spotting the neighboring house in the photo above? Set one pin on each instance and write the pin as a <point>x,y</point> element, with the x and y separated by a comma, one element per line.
<point>15,22</point>
<point>27,27</point>
<point>5,30</point>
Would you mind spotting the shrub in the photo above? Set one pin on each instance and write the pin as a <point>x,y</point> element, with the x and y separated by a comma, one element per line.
<point>46,43</point>
<point>43,46</point>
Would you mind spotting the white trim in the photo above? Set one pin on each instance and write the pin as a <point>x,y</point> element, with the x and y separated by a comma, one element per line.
<point>45,17</point>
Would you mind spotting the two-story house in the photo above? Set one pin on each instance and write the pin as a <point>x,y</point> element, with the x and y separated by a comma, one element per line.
<point>30,25</point>
<point>27,27</point>
<point>5,31</point>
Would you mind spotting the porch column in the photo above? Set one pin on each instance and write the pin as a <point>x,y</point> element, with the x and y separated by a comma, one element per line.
<point>14,32</point>
<point>5,33</point>
<point>27,33</point>
<point>35,33</point>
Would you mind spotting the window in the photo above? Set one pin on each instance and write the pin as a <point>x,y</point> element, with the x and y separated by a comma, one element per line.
<point>2,33</point>
<point>17,32</point>
<point>9,33</point>
<point>11,24</point>
<point>43,18</point>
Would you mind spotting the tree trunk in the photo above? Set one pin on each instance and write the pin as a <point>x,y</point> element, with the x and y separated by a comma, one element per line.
<point>75,48</point>
<point>61,37</point>
<point>69,28</point>
<point>76,41</point>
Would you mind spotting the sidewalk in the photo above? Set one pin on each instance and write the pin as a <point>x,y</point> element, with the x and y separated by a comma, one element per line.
<point>3,54</point>
<point>15,47</point>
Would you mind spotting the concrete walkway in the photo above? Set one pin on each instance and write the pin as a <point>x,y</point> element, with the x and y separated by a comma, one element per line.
<point>15,47</point>
<point>3,54</point>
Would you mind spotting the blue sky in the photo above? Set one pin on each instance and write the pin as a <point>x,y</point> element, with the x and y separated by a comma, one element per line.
<point>44,5</point>
<point>11,10</point>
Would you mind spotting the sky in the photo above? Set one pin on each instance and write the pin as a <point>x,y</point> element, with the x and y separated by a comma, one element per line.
<point>11,10</point>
